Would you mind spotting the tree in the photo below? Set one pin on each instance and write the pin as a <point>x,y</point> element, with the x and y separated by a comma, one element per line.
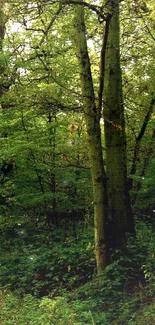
<point>119,207</point>
<point>120,217</point>
<point>92,118</point>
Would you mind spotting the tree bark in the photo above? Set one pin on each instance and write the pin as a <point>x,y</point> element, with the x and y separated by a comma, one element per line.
<point>92,118</point>
<point>120,217</point>
<point>2,24</point>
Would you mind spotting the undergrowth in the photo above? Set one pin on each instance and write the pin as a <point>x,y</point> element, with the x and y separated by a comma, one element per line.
<point>123,295</point>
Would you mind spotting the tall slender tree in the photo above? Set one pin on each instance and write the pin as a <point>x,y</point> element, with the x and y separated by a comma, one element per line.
<point>92,118</point>
<point>120,216</point>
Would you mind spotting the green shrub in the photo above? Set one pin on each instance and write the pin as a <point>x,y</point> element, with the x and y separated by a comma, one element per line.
<point>38,268</point>
<point>17,311</point>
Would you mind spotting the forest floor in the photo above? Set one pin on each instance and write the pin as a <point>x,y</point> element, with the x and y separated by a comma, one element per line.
<point>55,283</point>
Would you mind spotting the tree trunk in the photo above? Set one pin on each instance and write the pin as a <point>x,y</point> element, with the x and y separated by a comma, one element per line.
<point>52,142</point>
<point>2,34</point>
<point>2,24</point>
<point>92,118</point>
<point>120,217</point>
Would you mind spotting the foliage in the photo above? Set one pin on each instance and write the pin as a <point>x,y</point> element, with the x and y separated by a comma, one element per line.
<point>17,311</point>
<point>145,244</point>
<point>122,295</point>
<point>28,310</point>
<point>47,263</point>
<point>47,311</point>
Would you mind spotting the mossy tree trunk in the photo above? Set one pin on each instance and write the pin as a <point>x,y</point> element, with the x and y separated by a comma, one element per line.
<point>92,118</point>
<point>120,217</point>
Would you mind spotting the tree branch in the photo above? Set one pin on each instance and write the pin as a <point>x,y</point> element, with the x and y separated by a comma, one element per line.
<point>139,138</point>
<point>50,25</point>
<point>97,9</point>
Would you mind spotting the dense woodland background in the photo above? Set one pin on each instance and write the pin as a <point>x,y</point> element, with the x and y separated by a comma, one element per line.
<point>48,269</point>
